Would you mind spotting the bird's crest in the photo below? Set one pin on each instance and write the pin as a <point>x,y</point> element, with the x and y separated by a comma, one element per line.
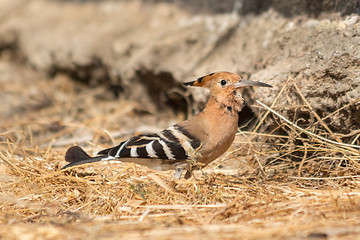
<point>224,79</point>
<point>201,81</point>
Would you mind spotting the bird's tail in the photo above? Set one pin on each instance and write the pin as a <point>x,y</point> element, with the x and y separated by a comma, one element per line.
<point>75,155</point>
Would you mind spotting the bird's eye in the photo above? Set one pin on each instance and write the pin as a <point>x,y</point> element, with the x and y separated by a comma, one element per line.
<point>223,82</point>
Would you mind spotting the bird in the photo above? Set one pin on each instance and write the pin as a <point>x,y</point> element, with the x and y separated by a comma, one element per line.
<point>189,145</point>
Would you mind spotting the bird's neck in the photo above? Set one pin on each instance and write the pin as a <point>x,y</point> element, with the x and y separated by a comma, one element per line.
<point>230,105</point>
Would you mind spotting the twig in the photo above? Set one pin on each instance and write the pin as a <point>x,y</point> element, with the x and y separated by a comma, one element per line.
<point>315,114</point>
<point>305,131</point>
<point>263,134</point>
<point>163,184</point>
<point>260,166</point>
<point>350,134</point>
<point>338,110</point>
<point>355,139</point>
<point>176,207</point>
<point>324,178</point>
<point>302,160</point>
<point>267,113</point>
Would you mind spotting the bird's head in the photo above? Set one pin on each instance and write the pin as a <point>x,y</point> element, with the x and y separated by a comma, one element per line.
<point>226,87</point>
<point>224,81</point>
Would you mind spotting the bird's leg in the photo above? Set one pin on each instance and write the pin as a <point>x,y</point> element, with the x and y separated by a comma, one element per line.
<point>178,172</point>
<point>180,167</point>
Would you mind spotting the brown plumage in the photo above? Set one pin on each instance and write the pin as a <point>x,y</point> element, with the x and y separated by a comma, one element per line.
<point>189,144</point>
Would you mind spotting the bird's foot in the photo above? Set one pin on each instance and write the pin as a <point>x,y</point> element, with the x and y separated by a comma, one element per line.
<point>178,172</point>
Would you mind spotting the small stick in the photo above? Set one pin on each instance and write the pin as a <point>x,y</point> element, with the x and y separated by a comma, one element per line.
<point>163,184</point>
<point>338,110</point>
<point>272,105</point>
<point>260,166</point>
<point>302,160</point>
<point>305,131</point>
<point>263,134</point>
<point>350,134</point>
<point>324,178</point>
<point>315,114</point>
<point>180,207</point>
<point>355,139</point>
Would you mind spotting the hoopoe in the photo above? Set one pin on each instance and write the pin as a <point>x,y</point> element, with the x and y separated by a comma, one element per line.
<point>190,144</point>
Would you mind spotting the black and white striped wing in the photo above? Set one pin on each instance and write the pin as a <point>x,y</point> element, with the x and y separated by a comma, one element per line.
<point>174,143</point>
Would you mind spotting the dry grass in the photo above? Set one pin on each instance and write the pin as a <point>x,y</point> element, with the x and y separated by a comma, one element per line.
<point>273,186</point>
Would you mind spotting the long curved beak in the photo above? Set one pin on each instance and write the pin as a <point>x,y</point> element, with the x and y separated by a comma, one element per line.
<point>249,83</point>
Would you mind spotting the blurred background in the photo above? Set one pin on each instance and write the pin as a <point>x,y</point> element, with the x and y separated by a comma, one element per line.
<point>83,56</point>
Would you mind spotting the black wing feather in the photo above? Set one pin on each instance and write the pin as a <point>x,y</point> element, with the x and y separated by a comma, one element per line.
<point>142,141</point>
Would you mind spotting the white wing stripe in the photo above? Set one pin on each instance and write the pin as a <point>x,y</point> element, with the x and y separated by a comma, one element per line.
<point>167,150</point>
<point>163,137</point>
<point>121,148</point>
<point>108,158</point>
<point>150,150</point>
<point>133,152</point>
<point>183,140</point>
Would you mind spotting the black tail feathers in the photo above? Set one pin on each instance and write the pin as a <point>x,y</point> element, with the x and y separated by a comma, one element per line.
<point>75,155</point>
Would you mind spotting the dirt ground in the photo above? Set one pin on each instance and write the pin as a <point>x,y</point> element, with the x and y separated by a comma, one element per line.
<point>93,73</point>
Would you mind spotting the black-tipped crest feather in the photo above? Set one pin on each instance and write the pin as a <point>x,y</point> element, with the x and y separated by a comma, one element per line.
<point>189,83</point>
